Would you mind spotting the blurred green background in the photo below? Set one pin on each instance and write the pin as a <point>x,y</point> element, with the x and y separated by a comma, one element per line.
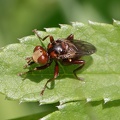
<point>19,17</point>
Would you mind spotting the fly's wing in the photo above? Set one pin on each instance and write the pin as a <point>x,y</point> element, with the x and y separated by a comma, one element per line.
<point>84,48</point>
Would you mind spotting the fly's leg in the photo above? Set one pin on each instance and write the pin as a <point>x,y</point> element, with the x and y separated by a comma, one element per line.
<point>82,63</point>
<point>79,62</point>
<point>70,37</point>
<point>56,72</point>
<point>41,68</point>
<point>50,37</point>
<point>36,68</point>
<point>29,61</point>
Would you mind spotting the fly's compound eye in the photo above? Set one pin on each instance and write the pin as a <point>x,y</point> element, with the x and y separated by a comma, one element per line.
<point>40,55</point>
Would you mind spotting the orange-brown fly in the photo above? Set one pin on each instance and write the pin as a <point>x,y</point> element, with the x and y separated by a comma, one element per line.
<point>66,51</point>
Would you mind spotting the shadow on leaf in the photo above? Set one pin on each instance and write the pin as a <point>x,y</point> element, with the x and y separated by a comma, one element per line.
<point>48,73</point>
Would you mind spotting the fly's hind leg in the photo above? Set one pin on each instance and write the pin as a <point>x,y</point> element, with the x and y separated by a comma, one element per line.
<point>79,62</point>
<point>82,63</point>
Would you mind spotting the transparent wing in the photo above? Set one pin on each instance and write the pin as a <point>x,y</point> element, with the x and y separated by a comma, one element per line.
<point>83,47</point>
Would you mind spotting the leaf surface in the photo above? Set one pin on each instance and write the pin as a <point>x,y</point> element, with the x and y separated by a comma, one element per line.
<point>86,111</point>
<point>101,73</point>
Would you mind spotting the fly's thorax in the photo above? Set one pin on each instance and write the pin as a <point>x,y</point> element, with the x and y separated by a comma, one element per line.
<point>57,48</point>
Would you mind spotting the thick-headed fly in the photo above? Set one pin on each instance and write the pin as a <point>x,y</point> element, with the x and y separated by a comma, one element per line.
<point>67,51</point>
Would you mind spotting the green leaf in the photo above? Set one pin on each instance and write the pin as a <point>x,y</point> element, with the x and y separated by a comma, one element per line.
<point>86,111</point>
<point>101,72</point>
<point>44,110</point>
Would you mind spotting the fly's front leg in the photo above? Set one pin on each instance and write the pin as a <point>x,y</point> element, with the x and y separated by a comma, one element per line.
<point>36,68</point>
<point>29,61</point>
<point>40,67</point>
<point>50,37</point>
<point>56,72</point>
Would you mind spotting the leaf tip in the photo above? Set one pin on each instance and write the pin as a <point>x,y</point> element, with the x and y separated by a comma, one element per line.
<point>40,103</point>
<point>64,26</point>
<point>44,118</point>
<point>48,29</point>
<point>77,24</point>
<point>61,102</point>
<point>116,22</point>
<point>60,106</point>
<point>88,100</point>
<point>91,22</point>
<point>106,100</point>
<point>51,30</point>
<point>20,102</point>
